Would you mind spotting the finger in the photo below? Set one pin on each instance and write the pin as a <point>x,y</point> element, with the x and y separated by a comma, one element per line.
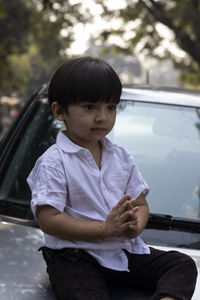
<point>133,226</point>
<point>123,199</point>
<point>123,218</point>
<point>135,209</point>
<point>126,206</point>
<point>133,202</point>
<point>129,225</point>
<point>127,216</point>
<point>129,205</point>
<point>125,213</point>
<point>132,216</point>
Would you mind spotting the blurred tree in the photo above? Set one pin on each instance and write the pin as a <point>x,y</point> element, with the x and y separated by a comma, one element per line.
<point>14,28</point>
<point>140,29</point>
<point>34,36</point>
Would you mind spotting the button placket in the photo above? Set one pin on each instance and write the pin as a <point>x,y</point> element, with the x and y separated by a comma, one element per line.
<point>103,189</point>
<point>90,159</point>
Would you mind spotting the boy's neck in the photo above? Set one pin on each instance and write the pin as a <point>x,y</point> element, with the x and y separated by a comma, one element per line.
<point>95,148</point>
<point>82,143</point>
<point>96,152</point>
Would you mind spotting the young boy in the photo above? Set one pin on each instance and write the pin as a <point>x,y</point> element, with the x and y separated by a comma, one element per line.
<point>89,197</point>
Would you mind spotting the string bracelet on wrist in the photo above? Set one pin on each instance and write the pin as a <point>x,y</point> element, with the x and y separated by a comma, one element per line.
<point>101,231</point>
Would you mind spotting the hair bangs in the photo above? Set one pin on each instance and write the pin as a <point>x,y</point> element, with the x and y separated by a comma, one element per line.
<point>98,83</point>
<point>84,79</point>
<point>100,88</point>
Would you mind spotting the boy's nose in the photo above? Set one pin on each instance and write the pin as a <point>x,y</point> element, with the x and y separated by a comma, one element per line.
<point>101,116</point>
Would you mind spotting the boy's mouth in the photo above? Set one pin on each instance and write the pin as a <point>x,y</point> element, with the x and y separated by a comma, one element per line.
<point>99,129</point>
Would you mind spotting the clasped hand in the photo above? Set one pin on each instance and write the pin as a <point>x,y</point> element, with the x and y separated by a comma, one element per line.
<point>123,219</point>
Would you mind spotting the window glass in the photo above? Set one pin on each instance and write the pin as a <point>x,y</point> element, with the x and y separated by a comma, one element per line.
<point>39,135</point>
<point>165,141</point>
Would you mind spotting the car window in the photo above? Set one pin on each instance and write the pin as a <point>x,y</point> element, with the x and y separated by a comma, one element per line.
<point>165,141</point>
<point>38,136</point>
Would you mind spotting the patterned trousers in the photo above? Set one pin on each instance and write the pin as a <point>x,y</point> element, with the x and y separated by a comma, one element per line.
<point>76,275</point>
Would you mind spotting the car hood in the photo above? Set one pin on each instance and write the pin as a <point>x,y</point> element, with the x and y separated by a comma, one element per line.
<point>23,271</point>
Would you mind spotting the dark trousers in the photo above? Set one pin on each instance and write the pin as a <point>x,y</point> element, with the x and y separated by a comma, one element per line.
<point>76,275</point>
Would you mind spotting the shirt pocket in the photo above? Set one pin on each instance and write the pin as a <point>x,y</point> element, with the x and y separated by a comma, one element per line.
<point>119,180</point>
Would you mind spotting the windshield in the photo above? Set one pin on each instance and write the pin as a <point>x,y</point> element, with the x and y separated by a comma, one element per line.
<point>165,141</point>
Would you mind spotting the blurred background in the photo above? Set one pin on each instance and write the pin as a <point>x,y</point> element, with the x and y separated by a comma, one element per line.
<point>153,42</point>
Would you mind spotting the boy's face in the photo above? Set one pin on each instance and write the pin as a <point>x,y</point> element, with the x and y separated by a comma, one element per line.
<point>87,123</point>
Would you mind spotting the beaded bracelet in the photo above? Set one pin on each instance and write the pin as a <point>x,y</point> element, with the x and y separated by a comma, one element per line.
<point>101,233</point>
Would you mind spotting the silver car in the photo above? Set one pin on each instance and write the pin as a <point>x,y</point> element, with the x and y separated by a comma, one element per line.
<point>161,128</point>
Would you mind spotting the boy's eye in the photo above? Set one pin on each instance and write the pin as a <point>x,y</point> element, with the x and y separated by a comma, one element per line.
<point>89,107</point>
<point>112,107</point>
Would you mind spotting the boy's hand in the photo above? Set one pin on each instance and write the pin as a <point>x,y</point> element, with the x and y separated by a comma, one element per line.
<point>134,228</point>
<point>122,220</point>
<point>129,217</point>
<point>140,213</point>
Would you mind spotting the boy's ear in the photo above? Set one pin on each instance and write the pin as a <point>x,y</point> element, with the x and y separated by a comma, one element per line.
<point>57,111</point>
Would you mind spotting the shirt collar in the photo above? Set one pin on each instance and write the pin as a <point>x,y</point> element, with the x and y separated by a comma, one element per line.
<point>107,145</point>
<point>63,142</point>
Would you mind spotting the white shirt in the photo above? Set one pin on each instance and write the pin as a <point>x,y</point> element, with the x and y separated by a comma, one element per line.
<point>67,177</point>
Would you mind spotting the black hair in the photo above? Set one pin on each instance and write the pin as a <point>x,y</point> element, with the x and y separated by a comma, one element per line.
<point>84,79</point>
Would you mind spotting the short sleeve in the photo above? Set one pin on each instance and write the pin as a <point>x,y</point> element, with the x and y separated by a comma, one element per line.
<point>136,184</point>
<point>48,186</point>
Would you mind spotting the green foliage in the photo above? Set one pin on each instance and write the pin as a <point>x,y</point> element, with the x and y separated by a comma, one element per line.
<point>181,17</point>
<point>31,44</point>
<point>14,27</point>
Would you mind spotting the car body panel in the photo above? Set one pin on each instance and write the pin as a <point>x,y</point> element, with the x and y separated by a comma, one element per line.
<point>22,272</point>
<point>163,96</point>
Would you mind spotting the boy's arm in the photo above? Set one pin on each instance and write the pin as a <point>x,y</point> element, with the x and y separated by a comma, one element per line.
<point>53,222</point>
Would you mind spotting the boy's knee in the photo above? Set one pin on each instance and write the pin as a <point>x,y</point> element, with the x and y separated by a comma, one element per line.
<point>187,259</point>
<point>187,262</point>
<point>191,265</point>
